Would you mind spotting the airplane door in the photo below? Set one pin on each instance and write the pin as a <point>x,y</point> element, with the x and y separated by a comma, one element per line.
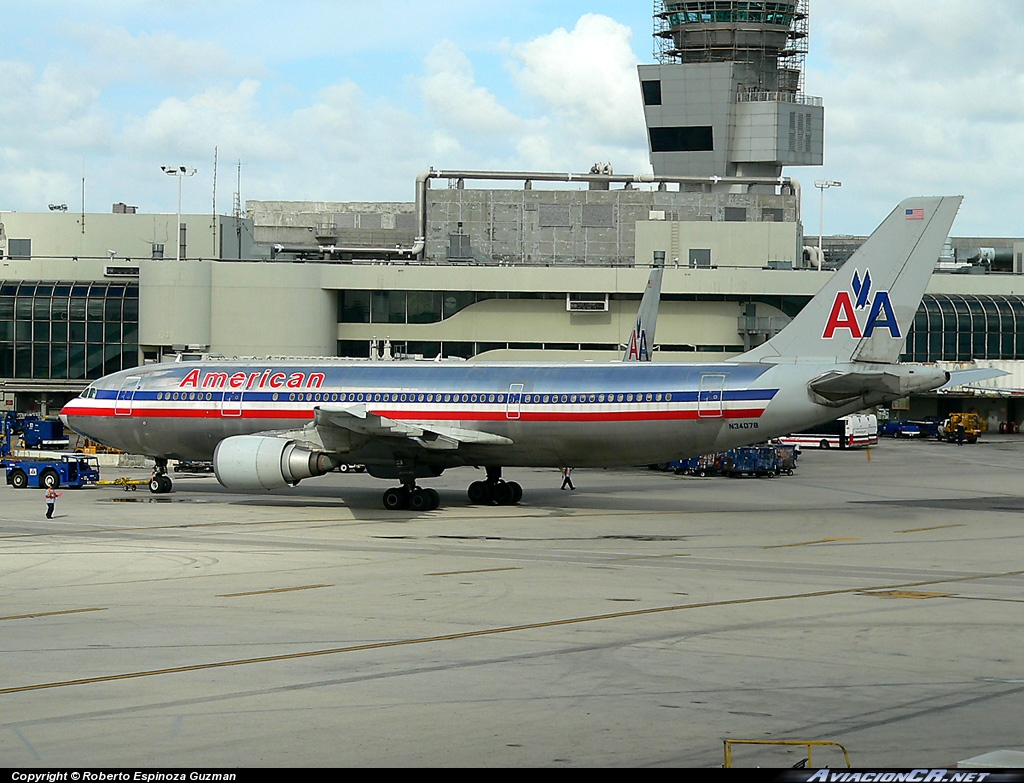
<point>232,403</point>
<point>515,401</point>
<point>126,395</point>
<point>710,396</point>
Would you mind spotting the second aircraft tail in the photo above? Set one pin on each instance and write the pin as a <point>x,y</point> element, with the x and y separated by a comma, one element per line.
<point>641,341</point>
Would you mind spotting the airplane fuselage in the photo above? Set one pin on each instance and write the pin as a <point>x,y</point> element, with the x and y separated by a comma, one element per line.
<point>560,414</point>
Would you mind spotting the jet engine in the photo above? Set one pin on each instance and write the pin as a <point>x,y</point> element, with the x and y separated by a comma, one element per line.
<point>253,462</point>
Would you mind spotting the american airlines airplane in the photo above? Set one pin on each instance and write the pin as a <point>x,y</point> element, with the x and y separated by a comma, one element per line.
<point>271,424</point>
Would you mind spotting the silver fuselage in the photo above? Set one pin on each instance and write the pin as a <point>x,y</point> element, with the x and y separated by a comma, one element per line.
<point>584,414</point>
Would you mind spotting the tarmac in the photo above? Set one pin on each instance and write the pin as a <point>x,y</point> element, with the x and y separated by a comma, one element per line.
<point>874,599</point>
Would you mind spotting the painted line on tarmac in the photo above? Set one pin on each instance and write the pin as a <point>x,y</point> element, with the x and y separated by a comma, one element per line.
<point>493,632</point>
<point>927,529</point>
<point>53,614</point>
<point>272,590</point>
<point>810,543</point>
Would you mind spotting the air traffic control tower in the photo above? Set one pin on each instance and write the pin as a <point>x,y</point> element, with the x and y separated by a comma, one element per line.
<point>726,96</point>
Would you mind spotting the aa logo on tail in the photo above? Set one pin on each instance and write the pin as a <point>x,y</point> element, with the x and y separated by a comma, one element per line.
<point>638,351</point>
<point>848,304</point>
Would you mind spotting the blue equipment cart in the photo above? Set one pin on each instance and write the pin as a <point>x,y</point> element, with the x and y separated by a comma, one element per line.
<point>67,470</point>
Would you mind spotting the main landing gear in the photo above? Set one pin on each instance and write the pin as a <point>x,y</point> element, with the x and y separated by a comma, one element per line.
<point>160,483</point>
<point>495,490</point>
<point>412,498</point>
<point>409,496</point>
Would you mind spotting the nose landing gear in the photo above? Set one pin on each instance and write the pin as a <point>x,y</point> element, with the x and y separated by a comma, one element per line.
<point>160,483</point>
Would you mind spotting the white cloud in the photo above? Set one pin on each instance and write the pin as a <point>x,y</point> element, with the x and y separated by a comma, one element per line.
<point>587,77</point>
<point>456,101</point>
<point>346,147</point>
<point>195,125</point>
<point>921,97</point>
<point>120,56</point>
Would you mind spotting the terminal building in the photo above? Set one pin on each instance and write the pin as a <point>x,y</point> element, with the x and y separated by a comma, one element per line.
<point>506,265</point>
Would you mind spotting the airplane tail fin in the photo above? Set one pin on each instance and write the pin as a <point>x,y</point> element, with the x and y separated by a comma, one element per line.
<point>866,309</point>
<point>641,341</point>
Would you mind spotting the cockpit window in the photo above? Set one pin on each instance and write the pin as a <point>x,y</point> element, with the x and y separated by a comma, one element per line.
<point>89,393</point>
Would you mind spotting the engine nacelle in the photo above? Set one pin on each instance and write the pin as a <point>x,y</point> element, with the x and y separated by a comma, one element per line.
<point>252,462</point>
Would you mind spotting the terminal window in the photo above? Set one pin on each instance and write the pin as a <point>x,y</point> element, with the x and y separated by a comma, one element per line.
<point>652,92</point>
<point>19,249</point>
<point>697,138</point>
<point>67,330</point>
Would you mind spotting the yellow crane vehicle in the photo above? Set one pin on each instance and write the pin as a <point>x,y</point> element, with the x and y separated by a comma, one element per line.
<point>949,429</point>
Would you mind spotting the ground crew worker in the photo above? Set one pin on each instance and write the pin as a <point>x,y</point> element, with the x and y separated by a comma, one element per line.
<point>566,480</point>
<point>51,499</point>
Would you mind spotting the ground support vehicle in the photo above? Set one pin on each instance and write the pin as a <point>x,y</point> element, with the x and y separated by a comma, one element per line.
<point>847,432</point>
<point>128,484</point>
<point>44,434</point>
<point>67,470</point>
<point>705,465</point>
<point>191,466</point>
<point>751,461</point>
<point>685,467</point>
<point>766,459</point>
<point>787,456</point>
<point>6,435</point>
<point>898,428</point>
<point>348,467</point>
<point>971,423</point>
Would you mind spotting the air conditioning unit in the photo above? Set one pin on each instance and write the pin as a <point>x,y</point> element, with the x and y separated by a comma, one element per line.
<point>586,303</point>
<point>120,271</point>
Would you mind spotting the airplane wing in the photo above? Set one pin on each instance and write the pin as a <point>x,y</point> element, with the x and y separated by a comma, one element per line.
<point>345,427</point>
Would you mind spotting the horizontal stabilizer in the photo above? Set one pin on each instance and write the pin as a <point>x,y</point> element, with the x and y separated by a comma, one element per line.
<point>960,377</point>
<point>839,387</point>
<point>872,386</point>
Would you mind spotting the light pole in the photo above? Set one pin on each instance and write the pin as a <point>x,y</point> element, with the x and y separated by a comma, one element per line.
<point>179,172</point>
<point>823,185</point>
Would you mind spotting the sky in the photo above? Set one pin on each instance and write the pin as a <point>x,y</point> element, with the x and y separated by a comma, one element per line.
<point>350,100</point>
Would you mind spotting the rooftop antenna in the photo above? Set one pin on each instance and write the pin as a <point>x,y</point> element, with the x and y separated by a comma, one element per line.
<point>236,210</point>
<point>213,222</point>
<point>83,197</point>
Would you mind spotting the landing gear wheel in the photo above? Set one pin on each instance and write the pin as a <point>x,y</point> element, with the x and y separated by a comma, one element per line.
<point>435,499</point>
<point>480,492</point>
<point>424,499</point>
<point>503,494</point>
<point>507,493</point>
<point>160,484</point>
<point>396,499</point>
<point>517,492</point>
<point>419,500</point>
